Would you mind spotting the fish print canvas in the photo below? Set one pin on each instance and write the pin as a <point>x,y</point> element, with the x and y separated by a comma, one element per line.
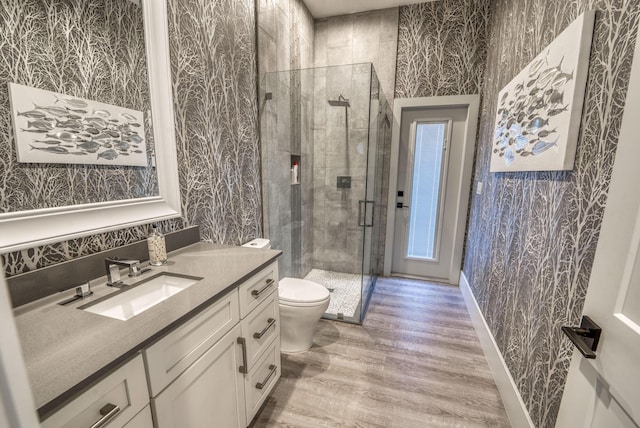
<point>51,127</point>
<point>539,112</point>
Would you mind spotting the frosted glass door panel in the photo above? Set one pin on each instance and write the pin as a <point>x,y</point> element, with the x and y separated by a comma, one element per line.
<point>427,188</point>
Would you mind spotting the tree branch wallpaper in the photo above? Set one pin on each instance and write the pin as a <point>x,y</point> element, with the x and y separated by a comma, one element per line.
<point>94,50</point>
<point>442,48</point>
<point>214,70</point>
<point>532,235</point>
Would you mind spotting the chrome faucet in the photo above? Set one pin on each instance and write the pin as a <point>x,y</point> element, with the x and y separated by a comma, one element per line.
<point>113,265</point>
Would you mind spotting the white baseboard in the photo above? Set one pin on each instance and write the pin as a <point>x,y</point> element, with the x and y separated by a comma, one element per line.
<point>513,404</point>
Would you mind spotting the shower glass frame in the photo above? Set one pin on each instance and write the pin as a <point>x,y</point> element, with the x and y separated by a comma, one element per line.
<point>327,141</point>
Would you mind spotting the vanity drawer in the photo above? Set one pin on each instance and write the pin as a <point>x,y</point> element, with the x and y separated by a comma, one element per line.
<point>123,394</point>
<point>261,326</point>
<point>256,289</point>
<point>176,351</point>
<point>262,378</point>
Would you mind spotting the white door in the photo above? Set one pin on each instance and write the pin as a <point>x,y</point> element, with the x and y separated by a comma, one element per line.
<point>210,393</point>
<point>428,190</point>
<point>605,392</point>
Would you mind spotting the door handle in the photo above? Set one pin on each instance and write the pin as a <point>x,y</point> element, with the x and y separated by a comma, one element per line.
<point>362,221</point>
<point>585,337</point>
<point>373,208</point>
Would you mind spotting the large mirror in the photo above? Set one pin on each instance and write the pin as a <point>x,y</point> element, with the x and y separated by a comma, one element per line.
<point>84,52</point>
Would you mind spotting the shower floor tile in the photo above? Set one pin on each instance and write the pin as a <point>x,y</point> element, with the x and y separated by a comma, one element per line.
<point>345,290</point>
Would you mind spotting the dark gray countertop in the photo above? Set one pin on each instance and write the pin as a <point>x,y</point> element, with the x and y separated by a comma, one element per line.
<point>67,349</point>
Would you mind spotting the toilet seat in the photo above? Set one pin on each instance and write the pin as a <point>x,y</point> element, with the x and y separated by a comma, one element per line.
<point>301,292</point>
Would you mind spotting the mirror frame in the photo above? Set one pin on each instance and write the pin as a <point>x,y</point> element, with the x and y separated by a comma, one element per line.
<point>27,229</point>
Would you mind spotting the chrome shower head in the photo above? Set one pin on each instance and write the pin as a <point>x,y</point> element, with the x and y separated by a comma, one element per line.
<point>340,102</point>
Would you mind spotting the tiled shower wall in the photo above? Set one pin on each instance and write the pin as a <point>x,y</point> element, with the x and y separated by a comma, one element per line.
<point>532,235</point>
<point>340,150</point>
<point>213,66</point>
<point>369,37</point>
<point>285,42</point>
<point>359,38</point>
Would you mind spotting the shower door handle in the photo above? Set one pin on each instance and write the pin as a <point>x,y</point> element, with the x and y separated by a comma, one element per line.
<point>362,214</point>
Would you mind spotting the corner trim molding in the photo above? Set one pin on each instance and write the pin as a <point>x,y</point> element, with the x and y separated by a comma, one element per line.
<point>511,398</point>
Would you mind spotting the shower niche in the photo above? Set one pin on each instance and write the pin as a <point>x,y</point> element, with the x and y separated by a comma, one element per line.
<point>295,169</point>
<point>330,123</point>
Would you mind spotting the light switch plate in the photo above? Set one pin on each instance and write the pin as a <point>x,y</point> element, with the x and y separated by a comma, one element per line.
<point>479,188</point>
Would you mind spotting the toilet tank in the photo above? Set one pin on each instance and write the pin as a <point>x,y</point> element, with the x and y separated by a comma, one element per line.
<point>258,243</point>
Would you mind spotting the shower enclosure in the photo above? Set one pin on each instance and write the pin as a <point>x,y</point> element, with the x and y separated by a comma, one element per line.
<point>324,133</point>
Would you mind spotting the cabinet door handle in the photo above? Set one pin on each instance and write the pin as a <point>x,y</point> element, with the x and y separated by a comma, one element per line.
<point>108,412</point>
<point>243,343</point>
<point>270,323</point>
<point>272,370</point>
<point>257,293</point>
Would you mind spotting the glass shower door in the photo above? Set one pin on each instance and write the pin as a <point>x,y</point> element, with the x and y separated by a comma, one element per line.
<point>326,122</point>
<point>371,209</point>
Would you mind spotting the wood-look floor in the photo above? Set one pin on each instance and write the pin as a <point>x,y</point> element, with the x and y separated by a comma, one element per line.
<point>416,362</point>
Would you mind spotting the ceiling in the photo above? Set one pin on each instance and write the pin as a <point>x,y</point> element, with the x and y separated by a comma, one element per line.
<point>325,8</point>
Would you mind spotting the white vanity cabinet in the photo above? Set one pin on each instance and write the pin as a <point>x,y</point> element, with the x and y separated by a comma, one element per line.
<point>260,314</point>
<point>116,401</point>
<point>218,368</point>
<point>215,370</point>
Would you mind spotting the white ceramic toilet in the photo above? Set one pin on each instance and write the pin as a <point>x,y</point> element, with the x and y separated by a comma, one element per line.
<point>302,304</point>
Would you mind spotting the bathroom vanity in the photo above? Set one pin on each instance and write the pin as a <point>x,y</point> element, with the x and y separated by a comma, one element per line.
<point>207,356</point>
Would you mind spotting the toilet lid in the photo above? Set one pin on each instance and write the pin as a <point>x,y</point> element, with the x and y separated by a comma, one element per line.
<point>301,291</point>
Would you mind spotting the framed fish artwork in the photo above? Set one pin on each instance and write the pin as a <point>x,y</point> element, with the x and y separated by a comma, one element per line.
<point>50,127</point>
<point>539,112</point>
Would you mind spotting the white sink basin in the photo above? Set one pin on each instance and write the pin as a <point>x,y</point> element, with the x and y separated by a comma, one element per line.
<point>129,302</point>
